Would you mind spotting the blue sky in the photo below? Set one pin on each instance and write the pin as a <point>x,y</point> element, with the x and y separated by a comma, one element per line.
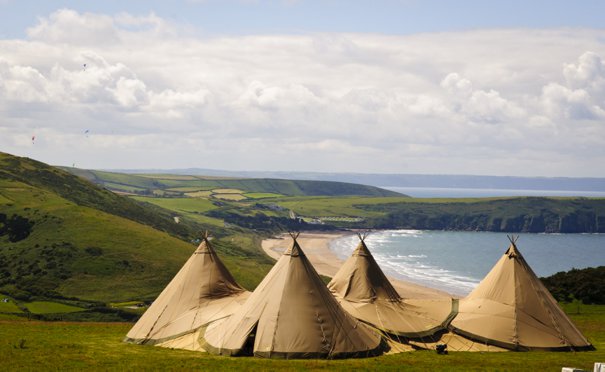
<point>431,87</point>
<point>391,17</point>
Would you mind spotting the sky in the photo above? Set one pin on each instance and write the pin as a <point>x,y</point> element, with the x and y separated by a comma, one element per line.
<point>505,88</point>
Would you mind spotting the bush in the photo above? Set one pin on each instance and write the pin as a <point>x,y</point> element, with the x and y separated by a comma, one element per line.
<point>586,285</point>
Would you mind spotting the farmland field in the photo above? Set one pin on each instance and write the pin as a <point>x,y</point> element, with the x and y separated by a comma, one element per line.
<point>229,196</point>
<point>261,195</point>
<point>199,194</point>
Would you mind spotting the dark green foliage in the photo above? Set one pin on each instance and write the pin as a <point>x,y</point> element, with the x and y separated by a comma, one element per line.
<point>586,285</point>
<point>262,222</point>
<point>94,251</point>
<point>16,227</point>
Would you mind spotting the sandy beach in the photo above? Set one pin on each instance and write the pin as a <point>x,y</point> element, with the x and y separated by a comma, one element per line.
<point>317,249</point>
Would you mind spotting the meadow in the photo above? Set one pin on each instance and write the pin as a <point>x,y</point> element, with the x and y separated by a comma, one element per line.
<point>28,345</point>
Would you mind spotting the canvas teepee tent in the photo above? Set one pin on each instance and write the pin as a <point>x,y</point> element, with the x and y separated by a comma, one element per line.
<point>364,291</point>
<point>511,308</point>
<point>201,292</point>
<point>291,314</point>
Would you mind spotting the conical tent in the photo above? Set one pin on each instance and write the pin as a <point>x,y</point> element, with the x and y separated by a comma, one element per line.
<point>511,308</point>
<point>365,292</point>
<point>201,292</point>
<point>291,314</point>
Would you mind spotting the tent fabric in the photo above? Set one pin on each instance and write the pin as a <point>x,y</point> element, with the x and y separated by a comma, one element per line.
<point>511,308</point>
<point>189,341</point>
<point>365,292</point>
<point>201,292</point>
<point>454,342</point>
<point>291,314</point>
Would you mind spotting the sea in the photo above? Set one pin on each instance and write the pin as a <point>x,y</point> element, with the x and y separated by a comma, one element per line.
<point>456,261</point>
<point>450,192</point>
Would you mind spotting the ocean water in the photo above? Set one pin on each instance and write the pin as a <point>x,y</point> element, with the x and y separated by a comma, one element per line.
<point>456,261</point>
<point>442,192</point>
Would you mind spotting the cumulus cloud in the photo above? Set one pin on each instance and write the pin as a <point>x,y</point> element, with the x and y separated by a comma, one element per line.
<point>155,96</point>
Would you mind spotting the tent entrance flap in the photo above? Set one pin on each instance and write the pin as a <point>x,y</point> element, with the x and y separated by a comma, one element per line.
<point>248,347</point>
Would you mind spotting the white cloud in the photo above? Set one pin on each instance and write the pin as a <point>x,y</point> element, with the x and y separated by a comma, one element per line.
<point>589,71</point>
<point>430,103</point>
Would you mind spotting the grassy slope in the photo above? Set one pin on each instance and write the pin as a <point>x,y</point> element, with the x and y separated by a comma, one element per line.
<point>57,255</point>
<point>83,193</point>
<point>98,346</point>
<point>78,248</point>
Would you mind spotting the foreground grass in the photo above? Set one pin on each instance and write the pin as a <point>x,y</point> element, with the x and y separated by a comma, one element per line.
<point>75,346</point>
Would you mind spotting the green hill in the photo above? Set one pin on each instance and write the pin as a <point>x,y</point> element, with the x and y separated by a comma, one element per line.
<point>178,185</point>
<point>519,214</point>
<point>63,237</point>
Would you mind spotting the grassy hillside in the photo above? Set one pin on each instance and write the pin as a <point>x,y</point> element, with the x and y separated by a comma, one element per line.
<point>76,251</point>
<point>61,236</point>
<point>83,193</point>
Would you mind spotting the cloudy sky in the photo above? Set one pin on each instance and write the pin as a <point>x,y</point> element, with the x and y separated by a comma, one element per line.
<point>393,86</point>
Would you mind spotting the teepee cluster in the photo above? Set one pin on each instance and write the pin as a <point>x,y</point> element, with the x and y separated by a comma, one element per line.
<point>293,314</point>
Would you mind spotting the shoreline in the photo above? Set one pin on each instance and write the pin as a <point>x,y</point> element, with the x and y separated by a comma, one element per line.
<point>317,249</point>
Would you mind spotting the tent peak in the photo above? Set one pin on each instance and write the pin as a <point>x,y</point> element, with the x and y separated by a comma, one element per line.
<point>362,250</point>
<point>513,251</point>
<point>295,249</point>
<point>363,236</point>
<point>205,247</point>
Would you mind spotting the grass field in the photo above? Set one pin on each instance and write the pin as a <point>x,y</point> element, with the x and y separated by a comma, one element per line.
<point>47,307</point>
<point>127,188</point>
<point>77,346</point>
<point>190,207</point>
<point>198,194</point>
<point>9,307</point>
<point>231,197</point>
<point>187,189</point>
<point>261,195</point>
<point>335,206</point>
<point>227,191</point>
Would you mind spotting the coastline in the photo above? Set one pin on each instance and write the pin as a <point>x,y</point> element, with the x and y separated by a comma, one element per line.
<point>317,248</point>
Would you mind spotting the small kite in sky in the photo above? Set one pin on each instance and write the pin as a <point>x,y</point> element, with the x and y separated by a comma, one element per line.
<point>33,139</point>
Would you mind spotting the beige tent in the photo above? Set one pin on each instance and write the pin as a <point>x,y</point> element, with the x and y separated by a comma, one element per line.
<point>511,308</point>
<point>201,292</point>
<point>364,291</point>
<point>291,314</point>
